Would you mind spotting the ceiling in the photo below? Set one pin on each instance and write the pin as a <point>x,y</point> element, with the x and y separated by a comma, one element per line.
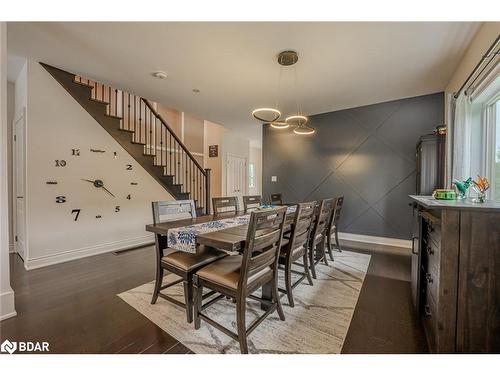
<point>341,64</point>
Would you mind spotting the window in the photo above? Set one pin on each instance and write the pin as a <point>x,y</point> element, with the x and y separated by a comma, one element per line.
<point>251,175</point>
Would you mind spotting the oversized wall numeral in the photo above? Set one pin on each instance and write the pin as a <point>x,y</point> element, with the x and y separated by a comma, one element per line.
<point>75,151</point>
<point>129,197</point>
<point>60,163</point>
<point>117,209</point>
<point>61,199</point>
<point>128,167</point>
<point>77,212</point>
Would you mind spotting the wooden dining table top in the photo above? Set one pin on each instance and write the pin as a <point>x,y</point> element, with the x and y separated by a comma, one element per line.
<point>230,239</point>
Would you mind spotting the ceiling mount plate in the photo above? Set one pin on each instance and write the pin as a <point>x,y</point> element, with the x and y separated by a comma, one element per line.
<point>287,58</point>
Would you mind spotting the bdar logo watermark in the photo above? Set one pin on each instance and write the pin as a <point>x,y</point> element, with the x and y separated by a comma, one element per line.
<point>23,346</point>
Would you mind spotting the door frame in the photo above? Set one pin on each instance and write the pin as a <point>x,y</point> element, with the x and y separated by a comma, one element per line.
<point>228,155</point>
<point>19,117</point>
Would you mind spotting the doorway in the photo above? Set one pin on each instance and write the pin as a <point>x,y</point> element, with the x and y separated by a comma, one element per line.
<point>19,165</point>
<point>236,176</point>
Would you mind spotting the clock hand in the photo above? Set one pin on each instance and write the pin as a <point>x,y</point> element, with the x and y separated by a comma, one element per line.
<point>110,193</point>
<point>83,179</point>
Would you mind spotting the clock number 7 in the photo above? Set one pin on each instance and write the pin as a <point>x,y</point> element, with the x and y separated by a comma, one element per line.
<point>77,211</point>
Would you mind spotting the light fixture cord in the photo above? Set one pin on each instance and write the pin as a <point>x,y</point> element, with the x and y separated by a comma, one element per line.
<point>279,88</point>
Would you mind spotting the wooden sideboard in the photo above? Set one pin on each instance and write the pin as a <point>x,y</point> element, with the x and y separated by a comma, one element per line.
<point>456,274</point>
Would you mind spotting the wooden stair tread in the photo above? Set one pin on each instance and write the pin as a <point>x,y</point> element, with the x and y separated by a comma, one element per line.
<point>83,84</point>
<point>119,118</point>
<point>99,101</point>
<point>126,130</point>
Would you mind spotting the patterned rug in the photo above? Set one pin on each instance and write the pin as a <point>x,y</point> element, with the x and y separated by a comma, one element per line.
<point>317,324</point>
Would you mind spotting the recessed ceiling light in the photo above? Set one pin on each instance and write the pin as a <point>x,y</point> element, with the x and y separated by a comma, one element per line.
<point>196,91</point>
<point>159,74</point>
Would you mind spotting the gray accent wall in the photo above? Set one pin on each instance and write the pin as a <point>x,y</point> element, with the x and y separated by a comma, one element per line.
<point>366,154</point>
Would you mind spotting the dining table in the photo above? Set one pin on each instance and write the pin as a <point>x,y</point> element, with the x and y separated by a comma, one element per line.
<point>211,230</point>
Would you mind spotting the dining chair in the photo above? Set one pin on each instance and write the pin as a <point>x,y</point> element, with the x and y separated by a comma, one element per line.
<point>296,248</point>
<point>180,263</point>
<point>333,227</point>
<point>277,199</point>
<point>317,241</point>
<point>237,277</point>
<point>225,205</point>
<point>251,202</point>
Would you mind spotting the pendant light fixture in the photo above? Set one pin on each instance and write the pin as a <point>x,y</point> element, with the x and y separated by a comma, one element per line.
<point>271,116</point>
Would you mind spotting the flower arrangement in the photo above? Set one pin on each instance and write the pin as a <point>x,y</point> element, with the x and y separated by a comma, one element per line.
<point>480,186</point>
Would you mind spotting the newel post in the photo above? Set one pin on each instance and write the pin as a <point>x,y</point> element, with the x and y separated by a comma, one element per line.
<point>207,191</point>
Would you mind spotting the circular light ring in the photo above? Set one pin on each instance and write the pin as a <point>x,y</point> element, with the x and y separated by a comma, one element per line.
<point>304,130</point>
<point>259,112</point>
<point>279,124</point>
<point>297,120</point>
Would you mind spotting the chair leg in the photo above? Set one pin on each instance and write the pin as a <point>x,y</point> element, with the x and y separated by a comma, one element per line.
<point>198,296</point>
<point>288,282</point>
<point>188,297</point>
<point>158,281</point>
<point>240,322</point>
<point>322,249</point>
<point>329,244</point>
<point>337,240</point>
<point>311,261</point>
<point>306,269</point>
<point>277,299</point>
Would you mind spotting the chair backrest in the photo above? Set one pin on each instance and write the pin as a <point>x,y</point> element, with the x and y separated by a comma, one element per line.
<point>225,205</point>
<point>302,225</point>
<point>164,211</point>
<point>264,236</point>
<point>335,213</point>
<point>322,217</point>
<point>251,202</point>
<point>338,207</point>
<point>277,198</point>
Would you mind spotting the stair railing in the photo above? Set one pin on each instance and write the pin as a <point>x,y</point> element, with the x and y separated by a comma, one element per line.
<point>149,129</point>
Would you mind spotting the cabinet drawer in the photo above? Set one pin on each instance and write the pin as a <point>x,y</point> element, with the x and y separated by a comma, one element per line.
<point>429,320</point>
<point>431,285</point>
<point>432,253</point>
<point>434,233</point>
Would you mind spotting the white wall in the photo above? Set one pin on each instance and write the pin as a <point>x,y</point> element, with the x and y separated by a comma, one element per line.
<point>255,157</point>
<point>7,308</point>
<point>10,118</point>
<point>56,124</point>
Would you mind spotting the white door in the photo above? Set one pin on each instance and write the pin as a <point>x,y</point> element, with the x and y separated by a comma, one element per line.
<point>236,173</point>
<point>19,169</point>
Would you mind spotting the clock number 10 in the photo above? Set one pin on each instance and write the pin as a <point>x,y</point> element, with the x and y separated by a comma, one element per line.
<point>60,163</point>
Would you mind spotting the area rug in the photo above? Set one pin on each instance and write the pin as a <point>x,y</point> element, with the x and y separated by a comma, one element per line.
<point>317,324</point>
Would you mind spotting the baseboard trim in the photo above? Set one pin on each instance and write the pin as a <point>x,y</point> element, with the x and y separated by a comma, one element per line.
<point>74,254</point>
<point>378,244</point>
<point>7,305</point>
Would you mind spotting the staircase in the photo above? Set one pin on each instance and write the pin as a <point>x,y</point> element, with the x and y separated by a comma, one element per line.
<point>134,123</point>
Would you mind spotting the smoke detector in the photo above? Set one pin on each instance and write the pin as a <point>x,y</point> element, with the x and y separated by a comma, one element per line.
<point>159,74</point>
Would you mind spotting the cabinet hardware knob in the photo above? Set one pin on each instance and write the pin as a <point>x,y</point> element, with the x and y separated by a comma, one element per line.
<point>427,310</point>
<point>428,276</point>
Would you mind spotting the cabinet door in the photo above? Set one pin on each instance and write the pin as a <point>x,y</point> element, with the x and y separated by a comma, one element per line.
<point>416,259</point>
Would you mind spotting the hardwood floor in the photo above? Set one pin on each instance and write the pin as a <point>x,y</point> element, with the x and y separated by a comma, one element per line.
<point>74,307</point>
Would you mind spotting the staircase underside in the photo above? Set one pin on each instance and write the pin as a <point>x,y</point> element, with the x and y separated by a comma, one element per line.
<point>82,93</point>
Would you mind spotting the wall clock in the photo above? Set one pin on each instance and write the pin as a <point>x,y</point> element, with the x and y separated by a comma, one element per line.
<point>93,190</point>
